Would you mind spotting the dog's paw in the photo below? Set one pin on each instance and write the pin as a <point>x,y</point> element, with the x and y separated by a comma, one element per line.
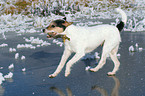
<point>92,69</point>
<point>66,74</point>
<point>111,74</point>
<point>52,76</point>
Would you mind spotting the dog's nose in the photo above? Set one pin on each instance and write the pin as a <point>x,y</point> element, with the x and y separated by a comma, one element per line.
<point>43,30</point>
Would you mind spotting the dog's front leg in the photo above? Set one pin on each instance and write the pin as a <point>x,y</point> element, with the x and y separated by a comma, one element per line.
<point>75,58</point>
<point>64,58</point>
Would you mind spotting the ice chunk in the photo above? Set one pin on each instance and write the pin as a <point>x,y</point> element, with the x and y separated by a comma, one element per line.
<point>16,55</point>
<point>38,46</point>
<point>9,75</point>
<point>37,41</point>
<point>12,50</point>
<point>57,42</point>
<point>136,45</point>
<point>87,68</point>
<point>11,66</point>
<point>140,49</point>
<point>31,31</point>
<point>118,55</point>
<point>1,78</point>
<point>97,55</point>
<point>3,45</point>
<point>45,44</point>
<point>24,69</point>
<point>25,46</point>
<point>23,57</point>
<point>1,67</point>
<point>131,49</point>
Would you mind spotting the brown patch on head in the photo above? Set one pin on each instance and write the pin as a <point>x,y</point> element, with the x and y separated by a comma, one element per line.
<point>58,25</point>
<point>54,28</point>
<point>67,23</point>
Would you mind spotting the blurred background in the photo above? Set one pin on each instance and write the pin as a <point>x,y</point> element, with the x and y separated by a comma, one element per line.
<point>43,11</point>
<point>61,7</point>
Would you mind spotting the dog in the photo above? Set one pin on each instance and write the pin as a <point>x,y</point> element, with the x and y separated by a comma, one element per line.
<point>85,39</point>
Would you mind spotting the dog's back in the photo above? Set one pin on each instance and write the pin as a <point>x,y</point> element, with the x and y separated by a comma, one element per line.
<point>88,38</point>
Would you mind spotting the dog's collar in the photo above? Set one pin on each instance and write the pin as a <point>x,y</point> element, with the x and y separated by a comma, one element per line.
<point>64,38</point>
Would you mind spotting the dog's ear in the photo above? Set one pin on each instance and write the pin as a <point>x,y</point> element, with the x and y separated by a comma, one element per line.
<point>66,24</point>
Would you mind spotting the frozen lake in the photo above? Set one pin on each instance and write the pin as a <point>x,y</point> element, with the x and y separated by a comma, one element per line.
<point>27,57</point>
<point>30,75</point>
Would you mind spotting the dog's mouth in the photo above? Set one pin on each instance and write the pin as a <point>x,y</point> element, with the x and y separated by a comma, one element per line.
<point>55,35</point>
<point>51,34</point>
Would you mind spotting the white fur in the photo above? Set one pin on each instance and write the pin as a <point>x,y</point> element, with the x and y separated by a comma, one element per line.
<point>86,39</point>
<point>123,14</point>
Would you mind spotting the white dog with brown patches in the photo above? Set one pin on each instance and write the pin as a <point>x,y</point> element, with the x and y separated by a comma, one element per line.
<point>85,39</point>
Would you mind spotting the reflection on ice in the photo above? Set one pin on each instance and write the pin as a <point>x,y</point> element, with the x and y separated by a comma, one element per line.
<point>102,91</point>
<point>115,90</point>
<point>61,93</point>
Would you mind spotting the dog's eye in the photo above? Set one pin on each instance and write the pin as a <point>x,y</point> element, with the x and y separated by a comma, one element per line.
<point>53,26</point>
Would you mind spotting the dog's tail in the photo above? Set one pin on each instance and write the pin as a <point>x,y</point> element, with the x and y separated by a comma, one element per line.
<point>122,23</point>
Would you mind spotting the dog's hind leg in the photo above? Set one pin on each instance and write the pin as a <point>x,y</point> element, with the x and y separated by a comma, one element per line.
<point>113,55</point>
<point>64,58</point>
<point>74,59</point>
<point>107,48</point>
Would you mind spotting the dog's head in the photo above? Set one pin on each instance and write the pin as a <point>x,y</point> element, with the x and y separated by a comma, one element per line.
<point>56,27</point>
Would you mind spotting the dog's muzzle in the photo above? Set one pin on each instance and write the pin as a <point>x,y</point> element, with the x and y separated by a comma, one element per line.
<point>51,34</point>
